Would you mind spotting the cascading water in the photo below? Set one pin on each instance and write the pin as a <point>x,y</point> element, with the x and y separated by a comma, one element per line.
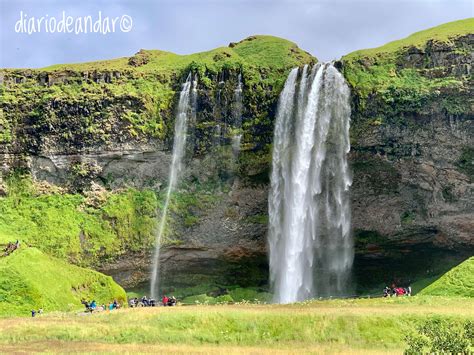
<point>311,249</point>
<point>185,110</point>
<point>237,113</point>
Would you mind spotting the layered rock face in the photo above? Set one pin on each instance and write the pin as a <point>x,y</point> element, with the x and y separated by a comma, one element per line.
<point>412,147</point>
<point>111,124</point>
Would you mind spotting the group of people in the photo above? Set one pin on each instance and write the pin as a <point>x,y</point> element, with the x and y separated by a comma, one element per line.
<point>142,302</point>
<point>11,247</point>
<point>395,291</point>
<point>92,306</point>
<point>168,301</point>
<point>150,302</point>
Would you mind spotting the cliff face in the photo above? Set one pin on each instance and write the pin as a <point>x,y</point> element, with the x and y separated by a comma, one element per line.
<point>413,140</point>
<point>96,128</point>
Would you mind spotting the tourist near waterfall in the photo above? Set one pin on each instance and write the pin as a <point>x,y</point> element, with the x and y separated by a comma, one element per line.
<point>310,243</point>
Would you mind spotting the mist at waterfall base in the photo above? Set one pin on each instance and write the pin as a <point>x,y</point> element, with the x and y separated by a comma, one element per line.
<point>310,242</point>
<point>185,109</point>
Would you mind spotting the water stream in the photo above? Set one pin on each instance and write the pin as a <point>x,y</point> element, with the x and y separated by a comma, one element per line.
<point>185,110</point>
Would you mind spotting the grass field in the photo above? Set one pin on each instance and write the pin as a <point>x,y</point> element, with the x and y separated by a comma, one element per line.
<point>334,326</point>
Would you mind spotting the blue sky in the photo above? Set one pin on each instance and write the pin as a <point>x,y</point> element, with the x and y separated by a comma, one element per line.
<point>325,28</point>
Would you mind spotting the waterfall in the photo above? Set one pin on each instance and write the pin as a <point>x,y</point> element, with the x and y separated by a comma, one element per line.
<point>237,113</point>
<point>310,242</point>
<point>187,99</point>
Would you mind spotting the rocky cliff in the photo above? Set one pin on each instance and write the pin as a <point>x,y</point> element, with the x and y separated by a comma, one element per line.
<point>413,138</point>
<point>100,135</point>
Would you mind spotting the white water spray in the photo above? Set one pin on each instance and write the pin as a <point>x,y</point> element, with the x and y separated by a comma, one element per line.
<point>185,110</point>
<point>311,249</point>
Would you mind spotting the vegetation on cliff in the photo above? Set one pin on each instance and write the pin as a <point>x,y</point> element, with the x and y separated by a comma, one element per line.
<point>423,73</point>
<point>97,103</point>
<point>73,109</point>
<point>30,279</point>
<point>83,229</point>
<point>96,226</point>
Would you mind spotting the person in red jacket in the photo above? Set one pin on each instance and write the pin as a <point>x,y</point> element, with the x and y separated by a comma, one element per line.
<point>165,300</point>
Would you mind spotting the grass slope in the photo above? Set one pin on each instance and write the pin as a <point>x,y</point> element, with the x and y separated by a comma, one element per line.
<point>30,279</point>
<point>84,230</point>
<point>402,87</point>
<point>441,33</point>
<point>459,281</point>
<point>342,326</point>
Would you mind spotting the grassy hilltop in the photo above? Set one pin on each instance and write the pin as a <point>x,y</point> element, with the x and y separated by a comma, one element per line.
<point>411,74</point>
<point>139,91</point>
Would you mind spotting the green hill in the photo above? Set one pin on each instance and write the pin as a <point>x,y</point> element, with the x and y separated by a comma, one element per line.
<point>30,280</point>
<point>441,33</point>
<point>262,51</point>
<point>418,75</point>
<point>378,70</point>
<point>136,94</point>
<point>459,281</point>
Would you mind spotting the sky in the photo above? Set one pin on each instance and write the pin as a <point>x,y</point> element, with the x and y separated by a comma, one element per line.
<point>327,29</point>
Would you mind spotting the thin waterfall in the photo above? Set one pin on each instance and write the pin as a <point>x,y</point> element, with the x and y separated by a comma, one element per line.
<point>237,113</point>
<point>187,99</point>
<point>310,242</point>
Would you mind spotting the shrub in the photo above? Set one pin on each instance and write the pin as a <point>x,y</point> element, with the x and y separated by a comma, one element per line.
<point>441,336</point>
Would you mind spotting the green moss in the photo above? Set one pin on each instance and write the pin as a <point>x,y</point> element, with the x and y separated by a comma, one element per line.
<point>135,96</point>
<point>258,219</point>
<point>387,82</point>
<point>465,162</point>
<point>407,217</point>
<point>459,281</point>
<point>363,238</point>
<point>72,227</point>
<point>30,280</point>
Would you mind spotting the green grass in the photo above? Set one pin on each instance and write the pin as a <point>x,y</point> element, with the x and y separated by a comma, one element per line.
<point>396,87</point>
<point>84,230</point>
<point>91,228</point>
<point>459,281</point>
<point>30,279</point>
<point>377,325</point>
<point>137,101</point>
<point>261,51</point>
<point>441,33</point>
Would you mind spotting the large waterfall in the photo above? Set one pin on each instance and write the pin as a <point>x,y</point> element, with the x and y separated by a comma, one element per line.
<point>185,110</point>
<point>311,249</point>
